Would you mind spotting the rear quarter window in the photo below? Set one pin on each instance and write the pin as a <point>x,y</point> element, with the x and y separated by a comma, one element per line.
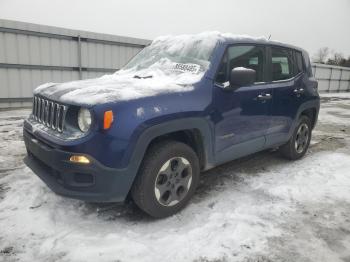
<point>299,62</point>
<point>281,63</point>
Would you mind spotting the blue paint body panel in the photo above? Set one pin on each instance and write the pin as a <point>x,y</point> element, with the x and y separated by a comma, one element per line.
<point>231,124</point>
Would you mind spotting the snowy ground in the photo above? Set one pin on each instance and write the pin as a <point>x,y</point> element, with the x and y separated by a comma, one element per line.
<point>261,208</point>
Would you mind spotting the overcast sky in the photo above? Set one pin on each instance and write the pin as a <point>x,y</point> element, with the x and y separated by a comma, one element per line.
<point>310,24</point>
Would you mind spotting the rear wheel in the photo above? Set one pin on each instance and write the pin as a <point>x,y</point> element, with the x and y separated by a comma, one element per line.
<point>299,142</point>
<point>167,179</point>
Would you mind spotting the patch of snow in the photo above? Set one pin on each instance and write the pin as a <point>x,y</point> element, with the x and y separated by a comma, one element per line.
<point>157,109</point>
<point>331,114</point>
<point>240,68</point>
<point>140,112</point>
<point>340,94</point>
<point>12,148</point>
<point>119,86</point>
<point>330,180</point>
<point>43,87</point>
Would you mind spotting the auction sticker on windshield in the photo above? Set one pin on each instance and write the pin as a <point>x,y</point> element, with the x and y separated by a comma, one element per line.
<point>192,68</point>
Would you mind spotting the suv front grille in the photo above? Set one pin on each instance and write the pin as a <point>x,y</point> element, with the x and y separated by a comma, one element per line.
<point>49,113</point>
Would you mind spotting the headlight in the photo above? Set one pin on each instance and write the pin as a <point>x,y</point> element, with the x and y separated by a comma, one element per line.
<point>84,119</point>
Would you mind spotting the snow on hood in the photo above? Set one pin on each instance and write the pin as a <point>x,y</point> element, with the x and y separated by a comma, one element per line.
<point>162,71</point>
<point>120,86</point>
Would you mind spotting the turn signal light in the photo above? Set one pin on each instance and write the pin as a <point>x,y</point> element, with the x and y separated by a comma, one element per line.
<point>79,159</point>
<point>108,119</point>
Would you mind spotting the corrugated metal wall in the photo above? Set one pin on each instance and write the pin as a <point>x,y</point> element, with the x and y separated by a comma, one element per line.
<point>33,54</point>
<point>332,78</point>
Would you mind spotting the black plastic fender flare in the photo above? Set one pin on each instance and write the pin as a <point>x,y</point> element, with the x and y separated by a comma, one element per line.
<point>313,104</point>
<point>149,134</point>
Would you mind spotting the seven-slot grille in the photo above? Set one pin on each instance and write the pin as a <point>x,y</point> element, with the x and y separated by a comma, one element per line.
<point>49,113</point>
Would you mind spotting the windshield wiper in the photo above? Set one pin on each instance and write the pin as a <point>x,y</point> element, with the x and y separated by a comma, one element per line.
<point>142,77</point>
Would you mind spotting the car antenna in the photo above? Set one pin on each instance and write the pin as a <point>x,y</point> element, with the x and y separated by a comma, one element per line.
<point>269,37</point>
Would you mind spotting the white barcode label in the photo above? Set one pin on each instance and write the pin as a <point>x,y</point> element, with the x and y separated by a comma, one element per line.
<point>192,68</point>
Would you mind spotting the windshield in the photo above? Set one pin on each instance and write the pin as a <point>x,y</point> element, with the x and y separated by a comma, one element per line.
<point>186,53</point>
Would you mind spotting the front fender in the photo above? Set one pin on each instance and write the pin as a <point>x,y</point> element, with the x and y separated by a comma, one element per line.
<point>142,138</point>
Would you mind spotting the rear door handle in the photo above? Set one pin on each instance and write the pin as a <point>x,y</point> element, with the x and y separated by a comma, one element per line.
<point>299,91</point>
<point>264,97</point>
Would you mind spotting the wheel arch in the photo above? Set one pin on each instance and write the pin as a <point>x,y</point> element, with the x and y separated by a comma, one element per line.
<point>183,130</point>
<point>194,132</point>
<point>309,108</point>
<point>311,113</point>
<point>191,137</point>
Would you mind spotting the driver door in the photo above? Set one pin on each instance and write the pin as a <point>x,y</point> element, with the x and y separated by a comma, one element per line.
<point>242,116</point>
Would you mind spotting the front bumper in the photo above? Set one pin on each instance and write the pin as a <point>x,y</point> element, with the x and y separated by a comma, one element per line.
<point>92,182</point>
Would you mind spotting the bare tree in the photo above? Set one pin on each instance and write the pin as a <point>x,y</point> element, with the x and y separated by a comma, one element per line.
<point>321,55</point>
<point>336,59</point>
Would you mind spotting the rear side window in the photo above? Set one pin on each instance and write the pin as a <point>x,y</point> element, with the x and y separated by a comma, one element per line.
<point>281,63</point>
<point>248,56</point>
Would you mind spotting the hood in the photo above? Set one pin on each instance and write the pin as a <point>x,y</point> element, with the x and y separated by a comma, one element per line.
<point>121,86</point>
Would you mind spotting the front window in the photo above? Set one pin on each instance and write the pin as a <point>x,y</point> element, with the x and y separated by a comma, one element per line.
<point>174,54</point>
<point>248,56</point>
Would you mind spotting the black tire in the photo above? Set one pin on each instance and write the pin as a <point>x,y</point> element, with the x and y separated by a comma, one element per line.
<point>289,150</point>
<point>145,191</point>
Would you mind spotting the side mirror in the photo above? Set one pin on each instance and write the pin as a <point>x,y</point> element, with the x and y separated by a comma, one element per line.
<point>241,76</point>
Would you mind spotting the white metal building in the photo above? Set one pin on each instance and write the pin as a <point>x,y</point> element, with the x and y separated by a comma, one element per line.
<point>32,54</point>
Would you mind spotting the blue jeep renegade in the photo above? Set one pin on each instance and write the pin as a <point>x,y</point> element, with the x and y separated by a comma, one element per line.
<point>183,105</point>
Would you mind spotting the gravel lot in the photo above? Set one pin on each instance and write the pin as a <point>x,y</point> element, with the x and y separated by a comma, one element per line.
<point>260,208</point>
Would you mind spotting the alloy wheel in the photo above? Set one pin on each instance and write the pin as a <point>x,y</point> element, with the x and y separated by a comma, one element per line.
<point>173,181</point>
<point>302,138</point>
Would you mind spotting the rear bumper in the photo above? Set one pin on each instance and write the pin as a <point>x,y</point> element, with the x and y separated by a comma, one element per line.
<point>92,182</point>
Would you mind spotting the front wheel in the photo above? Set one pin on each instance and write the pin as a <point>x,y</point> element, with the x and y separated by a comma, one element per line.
<point>167,179</point>
<point>300,140</point>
